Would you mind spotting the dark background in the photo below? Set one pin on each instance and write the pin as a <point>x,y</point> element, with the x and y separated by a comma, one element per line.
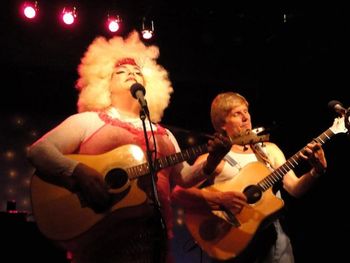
<point>288,60</point>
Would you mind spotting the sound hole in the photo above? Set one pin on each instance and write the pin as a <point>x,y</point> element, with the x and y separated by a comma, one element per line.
<point>116,178</point>
<point>253,193</point>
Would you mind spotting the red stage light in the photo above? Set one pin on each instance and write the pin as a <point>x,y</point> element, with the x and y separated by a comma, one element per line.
<point>113,23</point>
<point>69,15</point>
<point>30,9</point>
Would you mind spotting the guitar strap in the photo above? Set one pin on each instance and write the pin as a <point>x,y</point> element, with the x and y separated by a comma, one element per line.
<point>261,154</point>
<point>228,158</point>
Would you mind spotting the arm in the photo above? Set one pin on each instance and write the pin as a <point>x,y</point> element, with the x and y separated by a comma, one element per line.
<point>188,176</point>
<point>197,199</point>
<point>210,165</point>
<point>47,154</point>
<point>294,185</point>
<point>48,157</point>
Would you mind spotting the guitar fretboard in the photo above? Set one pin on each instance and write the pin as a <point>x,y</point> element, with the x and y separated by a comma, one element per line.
<point>164,162</point>
<point>291,163</point>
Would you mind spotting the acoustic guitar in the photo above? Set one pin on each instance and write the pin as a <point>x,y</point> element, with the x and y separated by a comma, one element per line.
<point>224,235</point>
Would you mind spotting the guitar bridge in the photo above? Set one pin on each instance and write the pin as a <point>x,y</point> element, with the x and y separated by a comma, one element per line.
<point>230,217</point>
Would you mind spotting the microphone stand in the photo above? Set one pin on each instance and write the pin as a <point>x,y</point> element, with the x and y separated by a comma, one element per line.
<point>347,120</point>
<point>158,257</point>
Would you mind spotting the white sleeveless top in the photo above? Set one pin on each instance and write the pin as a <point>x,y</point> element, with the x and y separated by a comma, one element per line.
<point>234,162</point>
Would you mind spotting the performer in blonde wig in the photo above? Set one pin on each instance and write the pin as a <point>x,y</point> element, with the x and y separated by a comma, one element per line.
<point>108,119</point>
<point>98,65</point>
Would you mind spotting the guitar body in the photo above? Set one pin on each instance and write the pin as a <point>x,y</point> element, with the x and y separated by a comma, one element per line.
<point>215,234</point>
<point>60,214</point>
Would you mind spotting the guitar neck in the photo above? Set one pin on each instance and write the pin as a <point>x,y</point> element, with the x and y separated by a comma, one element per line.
<point>179,157</point>
<point>167,161</point>
<point>291,163</point>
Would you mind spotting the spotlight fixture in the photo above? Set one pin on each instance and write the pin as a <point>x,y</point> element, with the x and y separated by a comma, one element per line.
<point>113,23</point>
<point>30,9</point>
<point>68,15</point>
<point>147,29</point>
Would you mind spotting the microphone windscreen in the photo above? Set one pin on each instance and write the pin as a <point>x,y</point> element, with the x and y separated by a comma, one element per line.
<point>137,87</point>
<point>332,104</point>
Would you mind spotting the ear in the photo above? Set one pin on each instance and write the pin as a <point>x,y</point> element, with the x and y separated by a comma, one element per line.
<point>223,130</point>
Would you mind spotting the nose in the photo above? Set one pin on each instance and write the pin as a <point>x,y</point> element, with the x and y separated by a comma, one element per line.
<point>245,116</point>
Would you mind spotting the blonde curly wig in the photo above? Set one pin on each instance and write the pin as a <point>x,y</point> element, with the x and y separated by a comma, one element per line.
<point>96,69</point>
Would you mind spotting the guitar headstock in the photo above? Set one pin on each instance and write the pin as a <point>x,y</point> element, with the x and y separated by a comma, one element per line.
<point>250,137</point>
<point>339,125</point>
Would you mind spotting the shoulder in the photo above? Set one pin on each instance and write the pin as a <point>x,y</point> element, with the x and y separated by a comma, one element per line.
<point>272,148</point>
<point>274,153</point>
<point>81,119</point>
<point>86,115</point>
<point>171,137</point>
<point>168,132</point>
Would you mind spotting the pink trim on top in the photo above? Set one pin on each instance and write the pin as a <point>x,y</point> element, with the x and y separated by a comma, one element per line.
<point>128,126</point>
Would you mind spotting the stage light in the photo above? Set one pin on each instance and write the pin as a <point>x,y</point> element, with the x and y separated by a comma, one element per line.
<point>30,9</point>
<point>147,29</point>
<point>68,15</point>
<point>113,23</point>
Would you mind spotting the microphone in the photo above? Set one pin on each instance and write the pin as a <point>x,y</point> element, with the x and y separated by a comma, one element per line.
<point>138,92</point>
<point>337,106</point>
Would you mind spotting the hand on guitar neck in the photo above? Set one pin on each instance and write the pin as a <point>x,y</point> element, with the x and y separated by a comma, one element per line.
<point>218,147</point>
